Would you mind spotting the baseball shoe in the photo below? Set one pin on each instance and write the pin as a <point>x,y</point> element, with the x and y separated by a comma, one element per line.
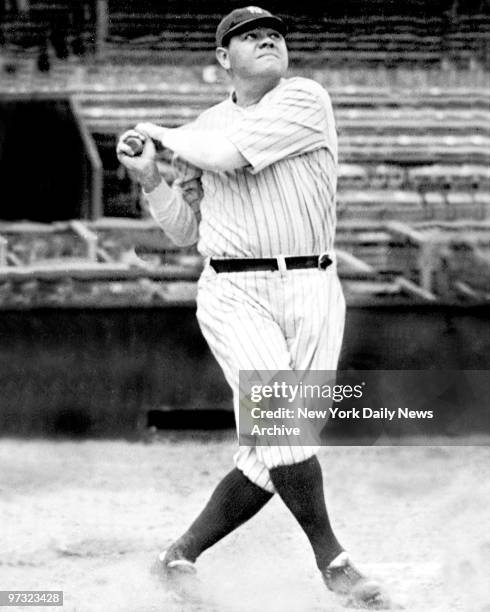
<point>343,578</point>
<point>173,563</point>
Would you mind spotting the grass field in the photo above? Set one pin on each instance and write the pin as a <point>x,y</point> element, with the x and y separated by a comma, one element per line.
<point>89,517</point>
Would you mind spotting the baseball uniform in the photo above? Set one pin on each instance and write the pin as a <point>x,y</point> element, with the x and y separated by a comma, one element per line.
<point>269,297</point>
<point>281,205</point>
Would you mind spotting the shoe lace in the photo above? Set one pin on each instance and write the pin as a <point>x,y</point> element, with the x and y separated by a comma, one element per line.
<point>347,570</point>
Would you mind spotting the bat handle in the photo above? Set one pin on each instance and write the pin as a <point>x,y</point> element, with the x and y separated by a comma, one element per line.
<point>136,143</point>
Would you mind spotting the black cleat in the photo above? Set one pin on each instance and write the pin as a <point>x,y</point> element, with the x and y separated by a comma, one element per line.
<point>343,578</point>
<point>174,563</point>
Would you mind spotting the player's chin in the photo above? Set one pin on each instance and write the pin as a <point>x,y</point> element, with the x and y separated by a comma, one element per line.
<point>273,58</point>
<point>271,65</point>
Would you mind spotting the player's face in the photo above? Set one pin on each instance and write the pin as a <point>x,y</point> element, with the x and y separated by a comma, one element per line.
<point>258,52</point>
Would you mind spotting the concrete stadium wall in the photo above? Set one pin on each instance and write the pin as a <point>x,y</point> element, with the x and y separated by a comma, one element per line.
<point>100,372</point>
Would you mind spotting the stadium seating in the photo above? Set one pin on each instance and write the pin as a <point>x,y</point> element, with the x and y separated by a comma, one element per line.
<point>376,204</point>
<point>403,156</point>
<point>66,27</point>
<point>30,243</point>
<point>158,32</point>
<point>449,259</point>
<point>113,262</point>
<point>322,37</point>
<point>410,154</point>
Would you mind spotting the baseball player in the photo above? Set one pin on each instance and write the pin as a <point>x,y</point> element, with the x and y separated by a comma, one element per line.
<point>256,190</point>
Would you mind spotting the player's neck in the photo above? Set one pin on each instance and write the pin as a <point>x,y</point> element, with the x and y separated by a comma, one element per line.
<point>248,93</point>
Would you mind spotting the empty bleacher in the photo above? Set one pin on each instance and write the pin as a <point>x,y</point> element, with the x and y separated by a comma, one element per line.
<point>68,27</point>
<point>414,154</point>
<point>402,156</point>
<point>340,34</point>
<point>116,262</point>
<point>371,41</point>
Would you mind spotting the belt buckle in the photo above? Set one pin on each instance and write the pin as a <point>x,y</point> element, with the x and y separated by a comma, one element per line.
<point>281,264</point>
<point>324,261</point>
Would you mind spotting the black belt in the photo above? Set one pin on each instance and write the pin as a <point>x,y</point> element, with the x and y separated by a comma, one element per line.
<point>270,263</point>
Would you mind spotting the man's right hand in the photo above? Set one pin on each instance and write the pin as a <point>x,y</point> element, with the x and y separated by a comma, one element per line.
<point>142,167</point>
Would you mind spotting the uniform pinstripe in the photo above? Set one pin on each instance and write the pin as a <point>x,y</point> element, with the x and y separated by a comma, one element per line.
<point>271,321</point>
<point>266,190</point>
<point>283,203</point>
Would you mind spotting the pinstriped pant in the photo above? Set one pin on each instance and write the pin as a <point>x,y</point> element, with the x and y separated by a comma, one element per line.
<point>291,320</point>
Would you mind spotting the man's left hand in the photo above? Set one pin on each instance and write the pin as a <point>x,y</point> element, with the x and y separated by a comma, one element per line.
<point>150,130</point>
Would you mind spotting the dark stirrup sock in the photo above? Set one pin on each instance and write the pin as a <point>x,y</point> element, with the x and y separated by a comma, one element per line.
<point>234,501</point>
<point>301,488</point>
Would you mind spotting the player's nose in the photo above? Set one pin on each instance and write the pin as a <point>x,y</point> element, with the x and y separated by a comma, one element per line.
<point>266,41</point>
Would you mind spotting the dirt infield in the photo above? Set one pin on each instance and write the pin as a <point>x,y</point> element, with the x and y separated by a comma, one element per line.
<point>88,518</point>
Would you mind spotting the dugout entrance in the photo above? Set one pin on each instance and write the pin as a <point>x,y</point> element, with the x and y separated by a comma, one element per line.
<point>50,169</point>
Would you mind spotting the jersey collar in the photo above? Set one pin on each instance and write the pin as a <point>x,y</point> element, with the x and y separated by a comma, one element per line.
<point>232,96</point>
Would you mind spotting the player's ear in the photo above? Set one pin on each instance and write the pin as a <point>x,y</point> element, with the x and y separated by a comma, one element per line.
<point>223,57</point>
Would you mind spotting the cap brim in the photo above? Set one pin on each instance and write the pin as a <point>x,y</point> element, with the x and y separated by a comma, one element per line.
<point>250,24</point>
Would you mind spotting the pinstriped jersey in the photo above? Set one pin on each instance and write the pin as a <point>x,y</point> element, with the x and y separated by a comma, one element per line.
<point>283,202</point>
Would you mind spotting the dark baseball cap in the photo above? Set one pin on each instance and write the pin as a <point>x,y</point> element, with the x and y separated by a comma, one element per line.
<point>244,19</point>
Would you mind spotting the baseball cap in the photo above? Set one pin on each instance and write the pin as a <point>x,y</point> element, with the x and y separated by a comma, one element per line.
<point>247,18</point>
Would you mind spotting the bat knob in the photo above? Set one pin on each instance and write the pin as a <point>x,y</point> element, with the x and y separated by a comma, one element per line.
<point>136,143</point>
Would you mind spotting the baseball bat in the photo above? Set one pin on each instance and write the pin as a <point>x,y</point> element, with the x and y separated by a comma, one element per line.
<point>137,144</point>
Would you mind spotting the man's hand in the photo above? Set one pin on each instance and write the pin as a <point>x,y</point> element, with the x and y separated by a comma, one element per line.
<point>143,167</point>
<point>205,149</point>
<point>150,130</point>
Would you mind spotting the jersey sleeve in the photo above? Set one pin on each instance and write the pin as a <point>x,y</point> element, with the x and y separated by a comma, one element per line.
<point>177,210</point>
<point>185,171</point>
<point>173,214</point>
<point>295,120</point>
<point>188,182</point>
